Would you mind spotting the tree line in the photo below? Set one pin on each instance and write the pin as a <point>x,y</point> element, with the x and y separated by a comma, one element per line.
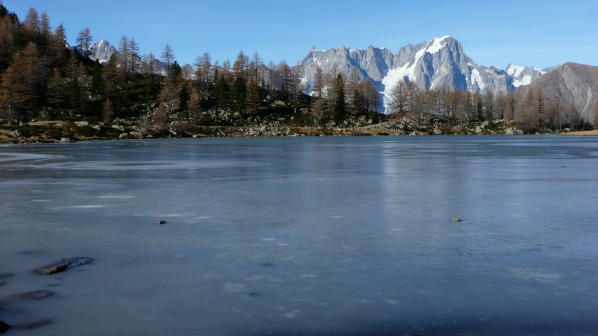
<point>532,110</point>
<point>43,78</point>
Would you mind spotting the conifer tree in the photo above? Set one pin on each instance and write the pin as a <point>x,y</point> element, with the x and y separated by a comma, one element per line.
<point>240,66</point>
<point>84,41</point>
<point>133,55</point>
<point>167,56</point>
<point>31,21</point>
<point>45,25</point>
<point>124,54</point>
<point>339,102</point>
<point>221,92</point>
<point>107,110</point>
<point>15,95</point>
<point>56,90</point>
<point>253,100</point>
<point>239,92</point>
<point>319,82</point>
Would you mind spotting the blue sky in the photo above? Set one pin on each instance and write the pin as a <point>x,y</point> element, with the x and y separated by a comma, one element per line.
<point>525,32</point>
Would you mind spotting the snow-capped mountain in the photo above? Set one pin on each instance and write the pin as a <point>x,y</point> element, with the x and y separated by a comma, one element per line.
<point>101,51</point>
<point>439,63</point>
<point>523,75</point>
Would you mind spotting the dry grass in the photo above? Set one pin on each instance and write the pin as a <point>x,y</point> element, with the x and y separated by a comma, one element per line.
<point>583,133</point>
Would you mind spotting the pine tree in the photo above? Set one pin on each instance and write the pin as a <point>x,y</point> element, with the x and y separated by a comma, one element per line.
<point>239,93</point>
<point>221,92</point>
<point>339,103</point>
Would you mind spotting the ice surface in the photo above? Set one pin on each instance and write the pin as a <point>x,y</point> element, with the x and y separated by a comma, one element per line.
<point>304,236</point>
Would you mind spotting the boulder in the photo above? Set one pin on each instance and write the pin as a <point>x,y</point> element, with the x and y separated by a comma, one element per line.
<point>81,123</point>
<point>35,295</point>
<point>135,134</point>
<point>4,327</point>
<point>123,135</point>
<point>5,275</point>
<point>118,127</point>
<point>96,127</point>
<point>15,133</point>
<point>63,265</point>
<point>65,140</point>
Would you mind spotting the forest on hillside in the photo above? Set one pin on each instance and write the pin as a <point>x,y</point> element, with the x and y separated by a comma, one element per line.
<point>43,78</point>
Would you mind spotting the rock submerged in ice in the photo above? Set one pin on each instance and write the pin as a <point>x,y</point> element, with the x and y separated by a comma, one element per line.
<point>63,265</point>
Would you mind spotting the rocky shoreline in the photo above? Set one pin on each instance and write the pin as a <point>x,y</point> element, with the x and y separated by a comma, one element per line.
<point>60,131</point>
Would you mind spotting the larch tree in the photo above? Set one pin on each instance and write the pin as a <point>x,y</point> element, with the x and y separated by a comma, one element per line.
<point>45,28</point>
<point>56,90</point>
<point>540,109</point>
<point>318,83</point>
<point>124,54</point>
<point>31,21</point>
<point>252,100</point>
<point>84,41</point>
<point>370,98</point>
<point>167,56</point>
<point>240,65</point>
<point>133,55</point>
<point>15,95</point>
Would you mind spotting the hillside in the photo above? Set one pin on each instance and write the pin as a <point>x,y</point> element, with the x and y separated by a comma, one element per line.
<point>570,84</point>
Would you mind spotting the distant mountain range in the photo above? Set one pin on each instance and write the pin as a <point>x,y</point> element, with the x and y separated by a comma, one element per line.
<point>439,63</point>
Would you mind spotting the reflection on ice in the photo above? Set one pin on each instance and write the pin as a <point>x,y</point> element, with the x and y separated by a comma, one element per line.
<point>138,165</point>
<point>310,236</point>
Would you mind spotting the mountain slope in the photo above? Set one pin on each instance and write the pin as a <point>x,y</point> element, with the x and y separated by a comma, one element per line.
<point>570,83</point>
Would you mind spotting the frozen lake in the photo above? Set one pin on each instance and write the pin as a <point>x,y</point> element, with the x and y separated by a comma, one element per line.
<point>303,236</point>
